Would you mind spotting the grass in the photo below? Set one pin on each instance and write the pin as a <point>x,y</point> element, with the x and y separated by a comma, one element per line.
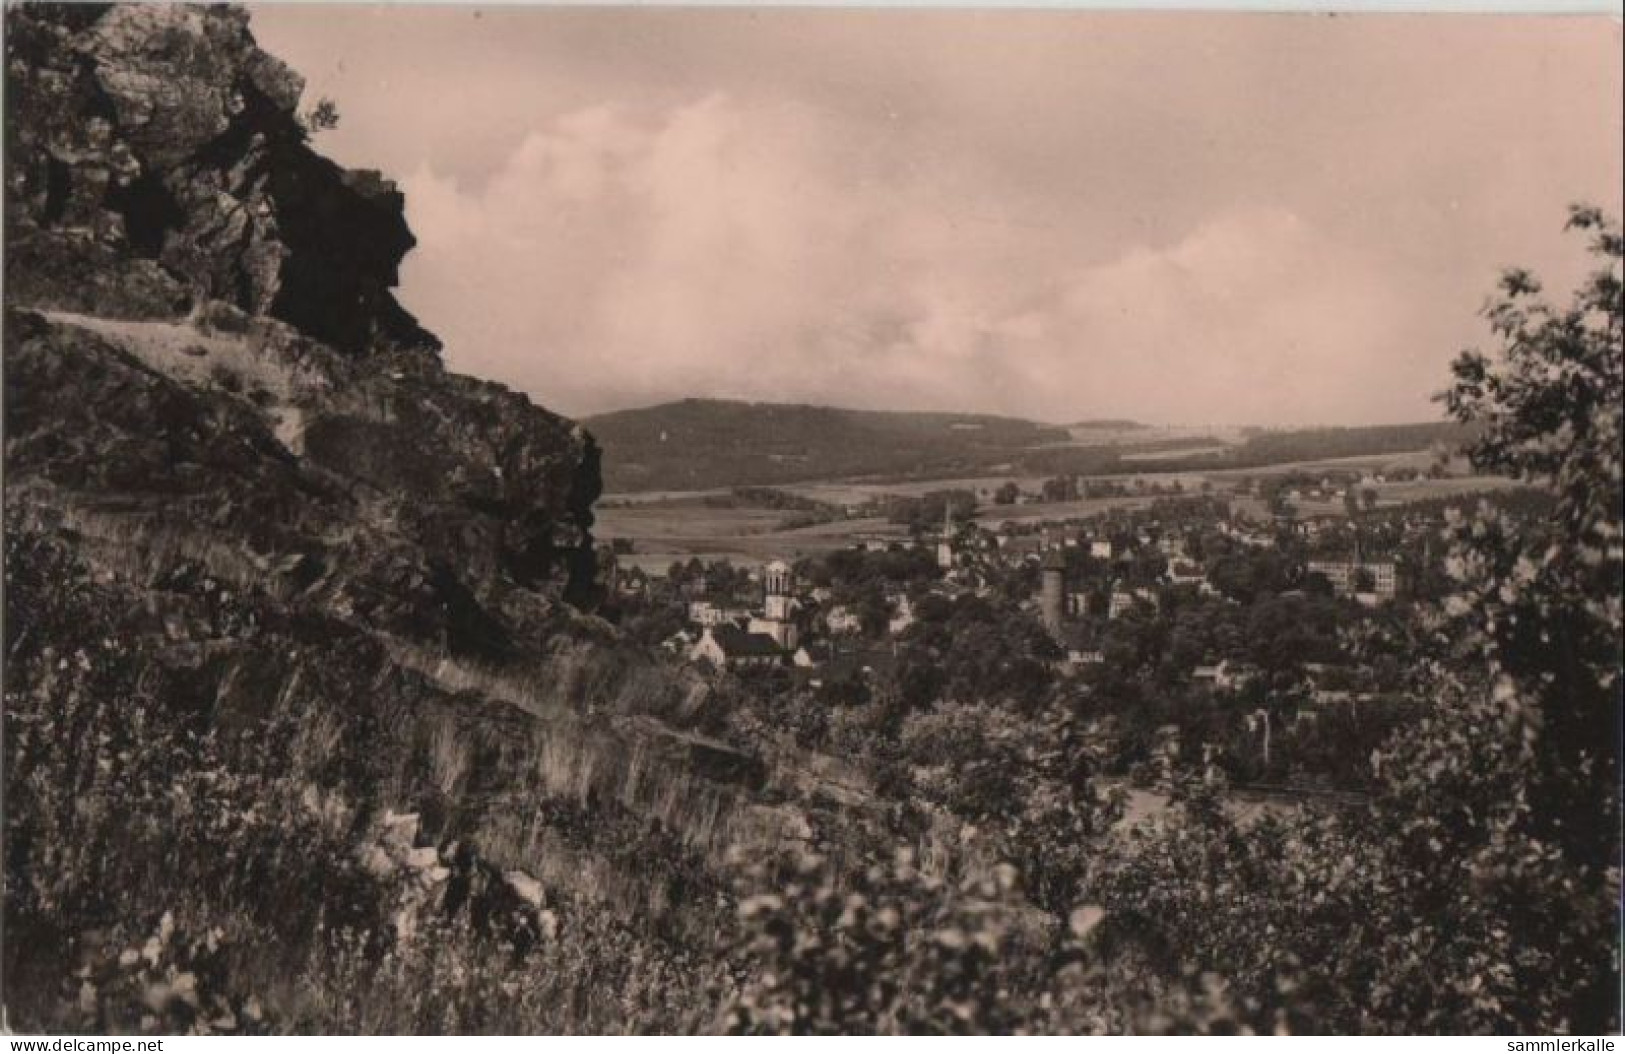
<point>676,525</point>
<point>668,531</point>
<point>243,364</point>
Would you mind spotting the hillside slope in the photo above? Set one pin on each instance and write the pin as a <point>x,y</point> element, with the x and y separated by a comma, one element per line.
<point>699,443</point>
<point>258,537</point>
<point>703,444</point>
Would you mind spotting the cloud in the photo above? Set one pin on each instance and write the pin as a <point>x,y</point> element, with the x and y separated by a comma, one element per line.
<point>621,256</point>
<point>1253,316</point>
<point>1184,219</point>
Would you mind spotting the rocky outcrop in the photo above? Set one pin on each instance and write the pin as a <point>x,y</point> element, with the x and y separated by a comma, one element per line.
<point>426,500</point>
<point>162,134</point>
<point>231,450</point>
<point>201,308</point>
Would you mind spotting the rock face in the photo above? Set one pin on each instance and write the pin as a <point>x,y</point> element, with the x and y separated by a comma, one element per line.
<point>242,490</point>
<point>211,319</point>
<point>161,134</point>
<point>271,490</point>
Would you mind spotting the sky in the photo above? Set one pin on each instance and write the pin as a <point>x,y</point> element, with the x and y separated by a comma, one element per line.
<point>1189,219</point>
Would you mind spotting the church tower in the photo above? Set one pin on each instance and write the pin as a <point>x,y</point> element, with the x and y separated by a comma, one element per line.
<point>777,580</point>
<point>1052,590</point>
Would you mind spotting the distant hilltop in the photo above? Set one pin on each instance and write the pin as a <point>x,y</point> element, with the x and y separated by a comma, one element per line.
<point>1109,424</point>
<point>701,444</point>
<point>695,444</point>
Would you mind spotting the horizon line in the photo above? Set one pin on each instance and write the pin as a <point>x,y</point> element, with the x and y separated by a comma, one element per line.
<point>1100,419</point>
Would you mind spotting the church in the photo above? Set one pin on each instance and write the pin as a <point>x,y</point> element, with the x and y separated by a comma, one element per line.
<point>779,606</point>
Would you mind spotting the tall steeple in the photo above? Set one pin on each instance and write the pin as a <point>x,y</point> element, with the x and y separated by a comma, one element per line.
<point>776,582</point>
<point>1052,591</point>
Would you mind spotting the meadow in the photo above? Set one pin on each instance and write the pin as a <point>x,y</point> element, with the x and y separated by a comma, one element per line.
<point>665,526</point>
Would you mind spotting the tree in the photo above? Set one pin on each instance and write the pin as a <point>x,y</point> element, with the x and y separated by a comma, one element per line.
<point>322,117</point>
<point>889,950</point>
<point>1061,488</point>
<point>1529,739</point>
<point>1479,891</point>
<point>1007,493</point>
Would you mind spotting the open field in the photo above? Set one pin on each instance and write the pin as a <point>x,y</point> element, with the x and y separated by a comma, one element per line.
<point>1043,511</point>
<point>665,526</point>
<point>662,532</point>
<point>1173,452</point>
<point>1420,460</point>
<point>1135,435</point>
<point>1394,494</point>
<point>857,491</point>
<point>700,444</point>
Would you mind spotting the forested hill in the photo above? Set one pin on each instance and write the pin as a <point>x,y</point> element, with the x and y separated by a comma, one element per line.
<point>1271,447</point>
<point>702,443</point>
<point>699,444</point>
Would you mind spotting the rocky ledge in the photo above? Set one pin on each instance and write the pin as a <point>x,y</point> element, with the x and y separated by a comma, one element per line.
<point>159,142</point>
<point>201,324</point>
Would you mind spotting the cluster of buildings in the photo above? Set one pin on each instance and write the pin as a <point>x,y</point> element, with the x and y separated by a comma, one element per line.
<point>734,637</point>
<point>1369,581</point>
<point>791,627</point>
<point>1087,575</point>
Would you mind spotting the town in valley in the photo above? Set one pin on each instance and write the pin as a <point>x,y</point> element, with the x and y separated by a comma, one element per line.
<point>554,519</point>
<point>1259,617</point>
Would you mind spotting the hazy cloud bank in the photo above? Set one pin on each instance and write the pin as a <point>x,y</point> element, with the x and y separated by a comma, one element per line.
<point>1220,218</point>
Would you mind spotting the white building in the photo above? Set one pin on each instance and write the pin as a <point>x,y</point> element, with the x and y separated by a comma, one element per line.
<point>1225,675</point>
<point>1345,577</point>
<point>842,619</point>
<point>779,606</point>
<point>778,582</point>
<point>902,615</point>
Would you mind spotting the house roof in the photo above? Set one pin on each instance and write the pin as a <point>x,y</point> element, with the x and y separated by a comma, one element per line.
<point>848,665</point>
<point>817,650</point>
<point>738,643</point>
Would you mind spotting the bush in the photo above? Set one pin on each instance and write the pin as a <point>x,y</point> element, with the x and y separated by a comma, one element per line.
<point>892,951</point>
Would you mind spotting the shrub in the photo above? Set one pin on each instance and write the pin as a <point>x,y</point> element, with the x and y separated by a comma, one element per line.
<point>891,951</point>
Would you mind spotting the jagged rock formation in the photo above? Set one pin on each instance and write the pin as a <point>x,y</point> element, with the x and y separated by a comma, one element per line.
<point>161,143</point>
<point>158,174</point>
<point>283,509</point>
